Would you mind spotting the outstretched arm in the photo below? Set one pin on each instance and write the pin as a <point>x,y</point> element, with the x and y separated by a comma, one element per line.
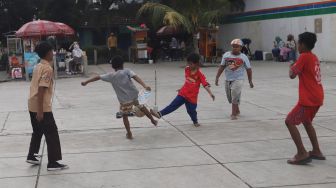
<point>142,83</point>
<point>249,76</point>
<point>93,79</point>
<point>219,73</point>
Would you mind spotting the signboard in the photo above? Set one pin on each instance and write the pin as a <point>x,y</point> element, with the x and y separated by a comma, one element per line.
<point>318,25</point>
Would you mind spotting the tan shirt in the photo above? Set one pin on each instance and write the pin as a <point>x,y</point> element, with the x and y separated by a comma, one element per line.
<point>112,42</point>
<point>42,77</point>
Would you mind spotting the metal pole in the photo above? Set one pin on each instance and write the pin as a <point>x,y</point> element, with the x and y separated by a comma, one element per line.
<point>95,56</point>
<point>85,59</point>
<point>155,88</point>
<point>55,67</point>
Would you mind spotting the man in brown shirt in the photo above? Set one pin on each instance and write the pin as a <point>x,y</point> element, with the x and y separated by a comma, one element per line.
<point>112,43</point>
<point>40,110</point>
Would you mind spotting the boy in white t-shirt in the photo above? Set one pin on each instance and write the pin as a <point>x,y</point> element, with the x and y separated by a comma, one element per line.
<point>234,63</point>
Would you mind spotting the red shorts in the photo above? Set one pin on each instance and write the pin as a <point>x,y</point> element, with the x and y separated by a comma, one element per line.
<point>301,114</point>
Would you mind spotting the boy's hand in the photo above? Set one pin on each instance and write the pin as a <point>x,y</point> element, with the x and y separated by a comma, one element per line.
<point>213,97</point>
<point>147,88</point>
<point>39,116</point>
<point>251,84</point>
<point>84,83</point>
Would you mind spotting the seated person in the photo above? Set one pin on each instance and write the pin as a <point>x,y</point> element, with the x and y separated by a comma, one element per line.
<point>288,52</point>
<point>277,45</point>
<point>77,55</point>
<point>14,62</point>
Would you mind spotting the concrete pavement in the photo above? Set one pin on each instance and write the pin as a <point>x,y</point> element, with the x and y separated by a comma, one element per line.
<point>249,152</point>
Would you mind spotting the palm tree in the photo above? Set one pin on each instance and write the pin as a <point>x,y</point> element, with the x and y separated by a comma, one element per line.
<point>188,14</point>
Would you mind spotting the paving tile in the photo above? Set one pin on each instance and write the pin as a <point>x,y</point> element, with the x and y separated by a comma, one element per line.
<point>279,173</point>
<point>210,176</point>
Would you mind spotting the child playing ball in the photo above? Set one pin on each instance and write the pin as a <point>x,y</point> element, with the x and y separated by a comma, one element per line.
<point>234,63</point>
<point>311,96</point>
<point>188,94</point>
<point>126,91</point>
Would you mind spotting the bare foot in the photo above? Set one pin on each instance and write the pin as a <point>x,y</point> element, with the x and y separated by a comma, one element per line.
<point>233,117</point>
<point>129,136</point>
<point>155,114</point>
<point>154,122</point>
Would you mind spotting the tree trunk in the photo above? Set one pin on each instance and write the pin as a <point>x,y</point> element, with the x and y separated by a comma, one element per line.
<point>196,43</point>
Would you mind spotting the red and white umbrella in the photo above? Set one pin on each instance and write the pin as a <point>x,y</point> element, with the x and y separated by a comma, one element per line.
<point>40,28</point>
<point>66,30</point>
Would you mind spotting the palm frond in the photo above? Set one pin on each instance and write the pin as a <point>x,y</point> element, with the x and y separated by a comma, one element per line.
<point>159,15</point>
<point>177,20</point>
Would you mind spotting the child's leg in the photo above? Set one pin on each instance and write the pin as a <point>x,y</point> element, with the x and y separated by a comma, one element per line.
<point>127,126</point>
<point>236,89</point>
<point>296,117</point>
<point>191,109</point>
<point>295,134</point>
<point>174,105</point>
<point>50,132</point>
<point>313,139</point>
<point>148,114</point>
<point>36,136</point>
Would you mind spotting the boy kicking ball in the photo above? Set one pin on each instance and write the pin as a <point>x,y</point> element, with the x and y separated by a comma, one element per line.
<point>126,91</point>
<point>188,94</point>
<point>311,96</point>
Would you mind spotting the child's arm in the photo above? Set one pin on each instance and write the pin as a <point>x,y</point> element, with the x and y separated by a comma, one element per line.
<point>207,88</point>
<point>40,98</point>
<point>219,73</point>
<point>93,79</point>
<point>292,75</point>
<point>142,83</point>
<point>249,76</point>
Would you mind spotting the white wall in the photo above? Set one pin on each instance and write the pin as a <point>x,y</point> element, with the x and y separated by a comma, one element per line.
<point>262,33</point>
<point>264,4</point>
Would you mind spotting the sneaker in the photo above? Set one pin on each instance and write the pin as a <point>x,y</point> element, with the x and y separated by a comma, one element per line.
<point>52,166</point>
<point>33,160</point>
<point>120,114</point>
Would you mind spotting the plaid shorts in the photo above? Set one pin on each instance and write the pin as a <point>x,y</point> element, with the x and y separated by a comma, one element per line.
<point>128,107</point>
<point>302,114</point>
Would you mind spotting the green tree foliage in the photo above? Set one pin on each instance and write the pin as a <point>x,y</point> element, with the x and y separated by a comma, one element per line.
<point>189,14</point>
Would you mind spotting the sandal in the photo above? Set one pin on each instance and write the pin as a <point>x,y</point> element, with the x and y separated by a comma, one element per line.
<point>304,161</point>
<point>317,157</point>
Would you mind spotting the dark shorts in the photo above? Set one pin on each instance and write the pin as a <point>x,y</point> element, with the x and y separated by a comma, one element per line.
<point>302,114</point>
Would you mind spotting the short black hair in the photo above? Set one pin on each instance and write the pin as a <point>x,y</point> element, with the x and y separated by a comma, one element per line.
<point>117,62</point>
<point>193,58</point>
<point>43,48</point>
<point>308,39</point>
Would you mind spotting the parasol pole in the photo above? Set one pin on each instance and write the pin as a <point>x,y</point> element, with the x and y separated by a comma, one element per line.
<point>155,88</point>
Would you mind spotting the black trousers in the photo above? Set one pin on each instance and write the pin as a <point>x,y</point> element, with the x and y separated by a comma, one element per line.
<point>112,53</point>
<point>48,128</point>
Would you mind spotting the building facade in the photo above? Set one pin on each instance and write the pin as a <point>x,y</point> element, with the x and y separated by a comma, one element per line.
<point>263,20</point>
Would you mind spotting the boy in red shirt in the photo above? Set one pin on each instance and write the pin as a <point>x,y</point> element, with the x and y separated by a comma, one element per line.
<point>311,95</point>
<point>188,94</point>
